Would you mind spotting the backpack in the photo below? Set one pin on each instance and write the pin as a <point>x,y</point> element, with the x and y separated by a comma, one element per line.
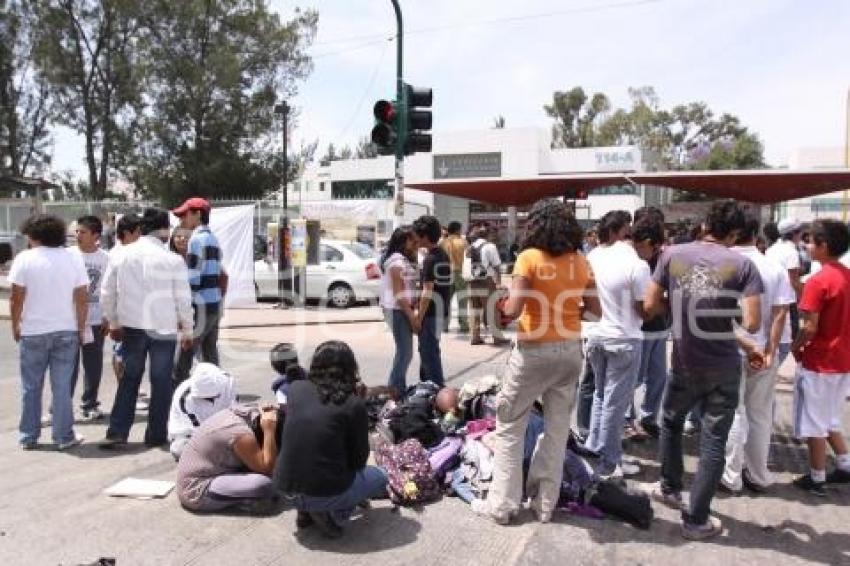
<point>477,271</point>
<point>618,500</point>
<point>415,421</point>
<point>409,474</point>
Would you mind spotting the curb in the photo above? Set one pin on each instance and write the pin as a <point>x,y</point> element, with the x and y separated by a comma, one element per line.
<point>302,323</point>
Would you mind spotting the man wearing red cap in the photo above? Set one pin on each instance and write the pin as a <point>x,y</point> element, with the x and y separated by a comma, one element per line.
<point>205,276</point>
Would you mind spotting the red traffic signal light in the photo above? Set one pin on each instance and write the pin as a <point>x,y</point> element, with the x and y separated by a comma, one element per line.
<point>576,194</point>
<point>384,111</point>
<point>384,134</point>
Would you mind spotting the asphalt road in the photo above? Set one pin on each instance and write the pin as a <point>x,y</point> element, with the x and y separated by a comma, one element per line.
<point>53,510</point>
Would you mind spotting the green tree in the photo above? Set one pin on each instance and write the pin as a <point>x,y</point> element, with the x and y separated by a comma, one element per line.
<point>217,69</point>
<point>576,117</point>
<point>687,136</point>
<point>25,101</point>
<point>90,52</point>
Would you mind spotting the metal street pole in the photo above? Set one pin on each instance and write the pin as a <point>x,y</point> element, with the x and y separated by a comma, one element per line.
<point>284,283</point>
<point>401,100</point>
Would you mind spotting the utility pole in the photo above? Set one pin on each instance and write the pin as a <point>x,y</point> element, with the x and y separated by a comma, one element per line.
<point>401,92</point>
<point>284,281</point>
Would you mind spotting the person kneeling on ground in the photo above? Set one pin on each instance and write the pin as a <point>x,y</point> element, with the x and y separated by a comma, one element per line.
<point>207,391</point>
<point>322,465</point>
<point>284,360</point>
<point>229,460</point>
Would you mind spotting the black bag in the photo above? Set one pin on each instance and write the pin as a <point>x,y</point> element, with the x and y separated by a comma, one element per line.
<point>415,421</point>
<point>618,500</point>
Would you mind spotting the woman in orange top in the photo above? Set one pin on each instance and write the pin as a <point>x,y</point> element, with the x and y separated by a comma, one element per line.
<point>552,285</point>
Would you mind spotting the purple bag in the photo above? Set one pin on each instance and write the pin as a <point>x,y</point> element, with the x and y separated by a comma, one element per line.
<point>445,457</point>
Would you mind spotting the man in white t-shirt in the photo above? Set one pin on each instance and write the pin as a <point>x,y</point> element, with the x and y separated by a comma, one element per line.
<point>785,252</point>
<point>485,282</point>
<point>748,445</point>
<point>48,307</point>
<point>614,347</point>
<point>89,229</point>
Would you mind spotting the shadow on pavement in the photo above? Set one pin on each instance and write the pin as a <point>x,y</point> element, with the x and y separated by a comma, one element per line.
<point>93,451</point>
<point>377,530</point>
<point>789,537</point>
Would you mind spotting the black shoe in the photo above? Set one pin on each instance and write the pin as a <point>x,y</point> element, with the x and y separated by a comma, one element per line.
<point>751,485</point>
<point>303,520</point>
<point>112,443</point>
<point>806,483</point>
<point>838,476</point>
<point>326,524</point>
<point>723,488</point>
<point>651,428</point>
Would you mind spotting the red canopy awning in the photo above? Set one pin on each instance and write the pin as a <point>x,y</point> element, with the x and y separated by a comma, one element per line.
<point>758,186</point>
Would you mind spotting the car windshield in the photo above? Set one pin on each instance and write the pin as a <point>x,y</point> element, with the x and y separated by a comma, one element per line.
<point>361,250</point>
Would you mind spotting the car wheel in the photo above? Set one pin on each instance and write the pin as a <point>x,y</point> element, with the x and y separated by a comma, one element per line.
<point>340,296</point>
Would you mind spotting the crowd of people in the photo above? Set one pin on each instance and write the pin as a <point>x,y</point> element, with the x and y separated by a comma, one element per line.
<point>594,314</point>
<point>66,300</point>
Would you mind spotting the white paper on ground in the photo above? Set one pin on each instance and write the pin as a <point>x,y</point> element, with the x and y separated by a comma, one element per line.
<point>140,488</point>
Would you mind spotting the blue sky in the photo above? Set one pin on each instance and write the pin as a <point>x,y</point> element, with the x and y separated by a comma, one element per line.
<point>782,66</point>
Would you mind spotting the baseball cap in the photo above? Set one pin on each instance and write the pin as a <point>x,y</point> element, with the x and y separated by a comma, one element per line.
<point>194,203</point>
<point>788,226</point>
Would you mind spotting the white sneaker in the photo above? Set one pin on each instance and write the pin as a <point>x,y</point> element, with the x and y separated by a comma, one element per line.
<point>76,441</point>
<point>482,508</point>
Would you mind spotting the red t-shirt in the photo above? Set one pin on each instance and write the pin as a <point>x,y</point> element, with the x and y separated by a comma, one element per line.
<point>828,293</point>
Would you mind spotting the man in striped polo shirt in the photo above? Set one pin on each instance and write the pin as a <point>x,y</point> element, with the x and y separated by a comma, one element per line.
<point>205,277</point>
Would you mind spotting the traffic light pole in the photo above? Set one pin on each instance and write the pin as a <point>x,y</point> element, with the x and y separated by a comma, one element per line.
<point>398,217</point>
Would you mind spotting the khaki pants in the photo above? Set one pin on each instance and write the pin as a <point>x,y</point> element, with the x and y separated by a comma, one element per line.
<point>482,296</point>
<point>535,370</point>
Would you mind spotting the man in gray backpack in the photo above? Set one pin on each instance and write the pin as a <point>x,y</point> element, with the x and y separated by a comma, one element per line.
<point>484,285</point>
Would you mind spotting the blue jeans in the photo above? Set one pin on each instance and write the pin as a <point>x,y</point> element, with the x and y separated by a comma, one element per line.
<point>586,387</point>
<point>431,364</point>
<point>91,356</point>
<point>138,345</point>
<point>403,338</point>
<point>615,362</point>
<point>57,351</point>
<point>368,483</point>
<point>653,376</point>
<point>717,392</point>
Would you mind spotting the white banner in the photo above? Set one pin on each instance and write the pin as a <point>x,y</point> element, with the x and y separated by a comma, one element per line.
<point>234,228</point>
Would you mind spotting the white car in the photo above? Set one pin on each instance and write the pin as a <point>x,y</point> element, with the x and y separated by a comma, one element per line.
<point>347,273</point>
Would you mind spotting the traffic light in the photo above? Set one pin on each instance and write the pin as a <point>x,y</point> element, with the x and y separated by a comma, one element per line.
<point>385,132</point>
<point>418,119</point>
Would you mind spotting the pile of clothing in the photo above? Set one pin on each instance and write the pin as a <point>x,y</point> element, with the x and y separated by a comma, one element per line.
<point>434,442</point>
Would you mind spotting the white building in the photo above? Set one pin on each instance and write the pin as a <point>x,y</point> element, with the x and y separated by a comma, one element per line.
<point>346,194</point>
<point>830,205</point>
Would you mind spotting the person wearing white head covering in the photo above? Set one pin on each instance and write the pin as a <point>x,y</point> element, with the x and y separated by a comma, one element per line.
<point>208,390</point>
